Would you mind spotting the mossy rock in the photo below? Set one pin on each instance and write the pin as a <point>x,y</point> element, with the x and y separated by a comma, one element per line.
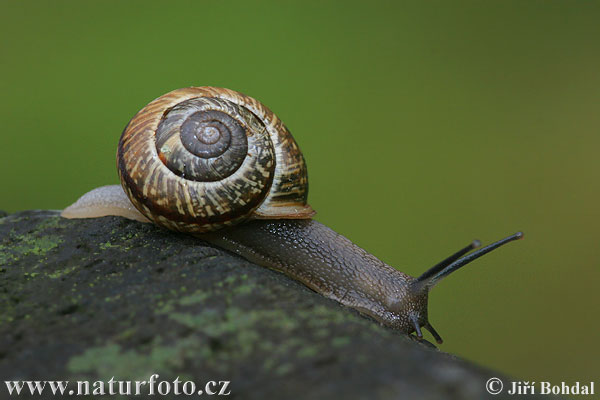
<point>97,298</point>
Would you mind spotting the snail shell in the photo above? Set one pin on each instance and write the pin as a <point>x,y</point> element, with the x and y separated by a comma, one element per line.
<point>201,158</point>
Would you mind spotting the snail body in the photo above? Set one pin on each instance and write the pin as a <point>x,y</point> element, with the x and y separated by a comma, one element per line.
<point>220,165</point>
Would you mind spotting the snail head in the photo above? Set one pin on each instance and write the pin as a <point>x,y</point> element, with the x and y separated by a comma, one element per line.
<point>411,310</point>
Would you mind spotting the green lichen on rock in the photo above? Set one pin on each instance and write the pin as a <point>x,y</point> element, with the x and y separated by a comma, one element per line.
<point>91,299</point>
<point>34,242</point>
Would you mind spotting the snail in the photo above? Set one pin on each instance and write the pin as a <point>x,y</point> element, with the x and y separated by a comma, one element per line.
<point>220,165</point>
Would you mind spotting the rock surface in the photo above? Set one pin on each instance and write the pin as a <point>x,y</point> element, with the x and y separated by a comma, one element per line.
<point>97,298</point>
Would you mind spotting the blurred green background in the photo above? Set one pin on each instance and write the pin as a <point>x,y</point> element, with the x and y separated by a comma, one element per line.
<point>424,125</point>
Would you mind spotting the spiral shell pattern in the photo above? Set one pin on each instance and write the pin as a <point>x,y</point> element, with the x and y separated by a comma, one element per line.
<point>199,159</point>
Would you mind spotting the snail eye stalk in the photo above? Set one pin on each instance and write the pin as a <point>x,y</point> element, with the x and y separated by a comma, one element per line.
<point>444,263</point>
<point>456,261</point>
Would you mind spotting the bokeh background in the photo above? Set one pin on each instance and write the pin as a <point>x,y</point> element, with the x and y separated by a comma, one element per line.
<point>424,125</point>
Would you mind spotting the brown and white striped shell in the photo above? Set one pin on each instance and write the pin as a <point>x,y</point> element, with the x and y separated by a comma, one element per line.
<point>201,158</point>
